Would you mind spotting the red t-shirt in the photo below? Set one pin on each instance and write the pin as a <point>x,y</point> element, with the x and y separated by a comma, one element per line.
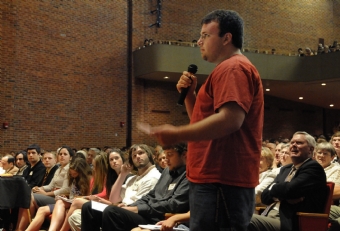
<point>233,159</point>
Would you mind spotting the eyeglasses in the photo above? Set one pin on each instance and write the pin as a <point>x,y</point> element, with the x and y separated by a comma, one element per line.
<point>323,153</point>
<point>204,36</point>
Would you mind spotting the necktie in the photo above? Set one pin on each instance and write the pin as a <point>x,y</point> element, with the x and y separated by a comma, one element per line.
<point>288,179</point>
<point>291,174</point>
<point>43,182</point>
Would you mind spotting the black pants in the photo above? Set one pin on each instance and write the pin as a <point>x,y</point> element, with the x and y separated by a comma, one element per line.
<point>7,217</point>
<point>112,218</point>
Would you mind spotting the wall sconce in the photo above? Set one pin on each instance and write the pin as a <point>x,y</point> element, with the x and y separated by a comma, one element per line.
<point>122,124</point>
<point>5,125</point>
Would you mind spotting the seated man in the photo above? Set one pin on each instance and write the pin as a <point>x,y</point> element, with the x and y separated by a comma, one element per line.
<point>8,165</point>
<point>170,195</point>
<point>299,187</point>
<point>49,160</point>
<point>21,162</point>
<point>36,171</point>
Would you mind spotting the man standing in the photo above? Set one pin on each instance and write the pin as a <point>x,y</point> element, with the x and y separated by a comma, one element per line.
<point>299,187</point>
<point>225,130</point>
<point>170,195</point>
<point>35,172</point>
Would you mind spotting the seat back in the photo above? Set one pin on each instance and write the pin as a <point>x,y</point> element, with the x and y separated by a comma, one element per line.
<point>329,200</point>
<point>317,221</point>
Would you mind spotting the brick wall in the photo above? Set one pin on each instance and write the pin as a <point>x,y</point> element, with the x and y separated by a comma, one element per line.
<point>63,70</point>
<point>63,73</point>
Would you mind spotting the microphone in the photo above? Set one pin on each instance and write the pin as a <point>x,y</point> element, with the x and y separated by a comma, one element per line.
<point>192,69</point>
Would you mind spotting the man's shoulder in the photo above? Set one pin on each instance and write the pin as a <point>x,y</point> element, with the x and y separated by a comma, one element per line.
<point>39,166</point>
<point>53,169</point>
<point>153,173</point>
<point>310,163</point>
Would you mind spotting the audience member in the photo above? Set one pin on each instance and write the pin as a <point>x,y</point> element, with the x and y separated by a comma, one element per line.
<point>299,187</point>
<point>308,52</point>
<point>115,160</point>
<point>36,171</point>
<point>267,175</point>
<point>276,162</point>
<point>21,162</point>
<point>285,157</point>
<point>325,153</point>
<point>49,160</point>
<point>8,165</point>
<point>335,141</point>
<point>162,161</point>
<point>45,195</point>
<point>320,48</point>
<point>91,154</point>
<point>170,195</point>
<point>300,52</point>
<point>79,175</point>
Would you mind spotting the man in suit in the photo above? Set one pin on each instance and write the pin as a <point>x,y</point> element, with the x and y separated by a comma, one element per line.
<point>299,187</point>
<point>49,160</point>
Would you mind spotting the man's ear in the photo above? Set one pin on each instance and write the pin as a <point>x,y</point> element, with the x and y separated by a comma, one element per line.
<point>227,38</point>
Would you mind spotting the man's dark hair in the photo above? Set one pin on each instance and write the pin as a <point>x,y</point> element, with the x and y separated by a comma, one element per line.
<point>180,148</point>
<point>69,149</point>
<point>24,154</point>
<point>34,146</point>
<point>229,22</point>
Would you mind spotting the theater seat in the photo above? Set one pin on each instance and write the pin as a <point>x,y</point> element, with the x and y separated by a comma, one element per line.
<point>317,221</point>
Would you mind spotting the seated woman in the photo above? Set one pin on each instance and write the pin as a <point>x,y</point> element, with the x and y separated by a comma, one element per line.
<point>324,154</point>
<point>115,160</point>
<point>45,195</point>
<point>79,176</point>
<point>267,175</point>
<point>284,157</point>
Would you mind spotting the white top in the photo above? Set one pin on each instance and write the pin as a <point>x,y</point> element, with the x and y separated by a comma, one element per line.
<point>333,173</point>
<point>137,186</point>
<point>266,178</point>
<point>59,182</point>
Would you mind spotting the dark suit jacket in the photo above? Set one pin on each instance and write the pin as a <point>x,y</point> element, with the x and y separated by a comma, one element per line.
<point>309,182</point>
<point>49,176</point>
<point>34,175</point>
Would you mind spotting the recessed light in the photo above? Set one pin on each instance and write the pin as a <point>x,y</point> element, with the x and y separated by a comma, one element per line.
<point>166,77</point>
<point>267,89</point>
<point>323,84</point>
<point>300,98</point>
<point>332,105</point>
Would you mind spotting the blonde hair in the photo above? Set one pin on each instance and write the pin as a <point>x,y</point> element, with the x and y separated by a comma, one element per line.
<point>268,155</point>
<point>100,171</point>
